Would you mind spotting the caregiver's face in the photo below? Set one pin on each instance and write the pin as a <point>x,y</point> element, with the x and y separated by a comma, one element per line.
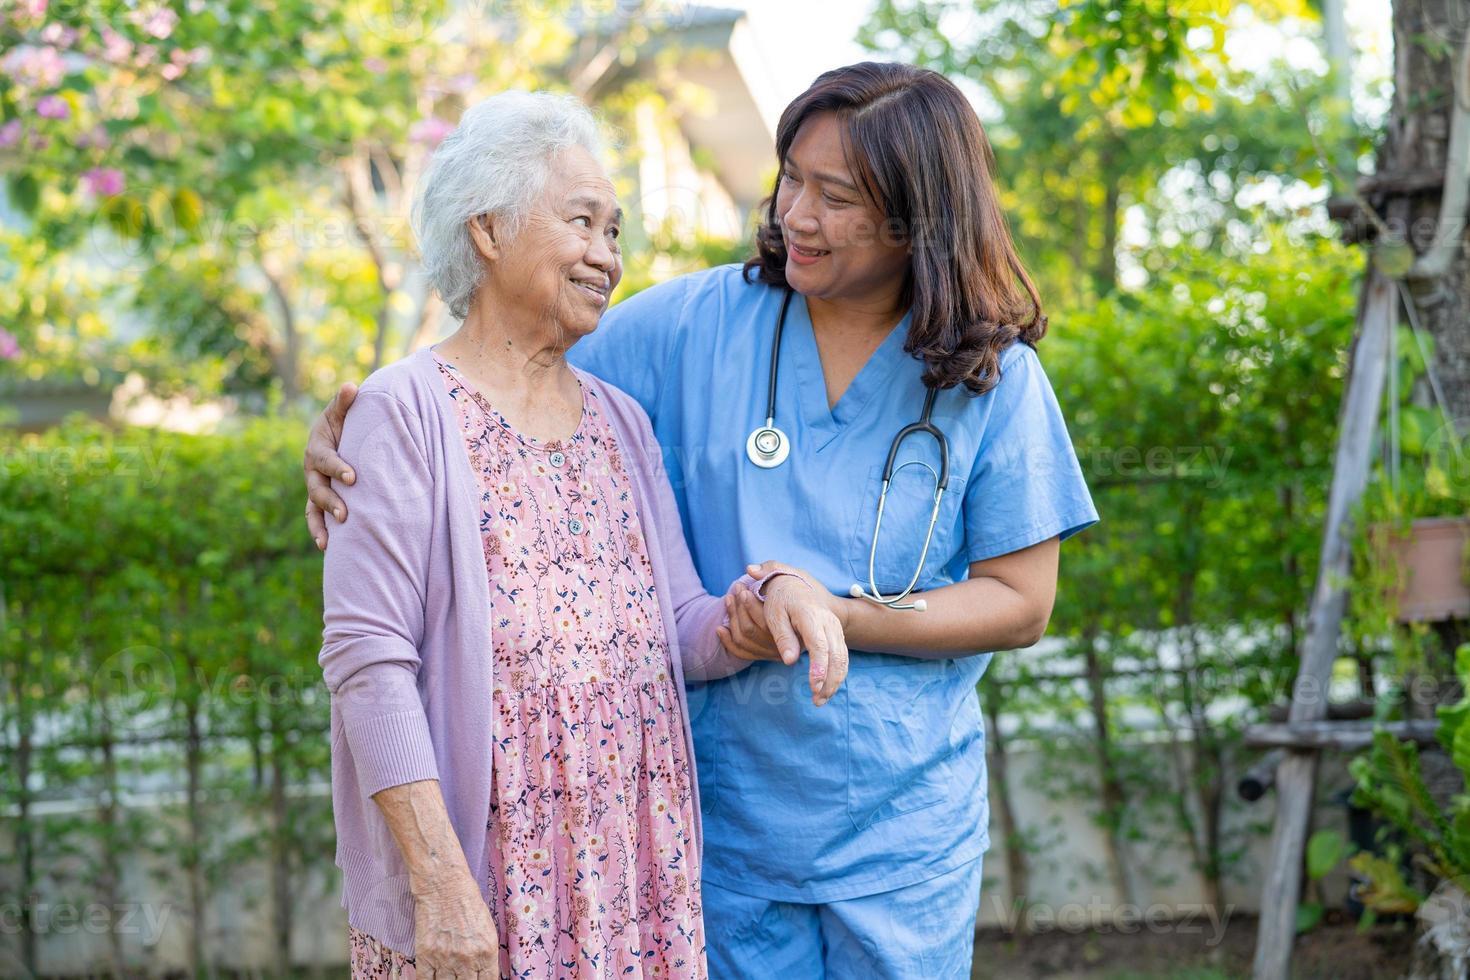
<point>565,262</point>
<point>838,244</point>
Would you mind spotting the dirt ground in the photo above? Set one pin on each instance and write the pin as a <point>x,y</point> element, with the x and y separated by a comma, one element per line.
<point>1333,951</point>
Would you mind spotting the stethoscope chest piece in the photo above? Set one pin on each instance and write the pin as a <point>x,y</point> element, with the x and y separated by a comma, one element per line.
<point>767,446</point>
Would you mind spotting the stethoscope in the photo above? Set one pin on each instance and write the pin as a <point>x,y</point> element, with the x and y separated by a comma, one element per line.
<point>768,448</point>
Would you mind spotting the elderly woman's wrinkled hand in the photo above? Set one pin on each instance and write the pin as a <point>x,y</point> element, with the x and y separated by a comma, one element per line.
<point>794,616</point>
<point>454,932</point>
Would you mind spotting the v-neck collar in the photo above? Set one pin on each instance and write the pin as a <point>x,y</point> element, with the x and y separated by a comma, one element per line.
<point>875,374</point>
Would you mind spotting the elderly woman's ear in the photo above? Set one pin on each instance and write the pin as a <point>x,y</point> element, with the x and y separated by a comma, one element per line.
<point>482,233</point>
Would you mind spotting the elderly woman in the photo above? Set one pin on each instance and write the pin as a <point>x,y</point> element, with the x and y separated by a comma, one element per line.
<point>511,617</point>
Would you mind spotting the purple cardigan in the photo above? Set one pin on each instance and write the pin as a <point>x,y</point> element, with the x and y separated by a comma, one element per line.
<point>406,647</point>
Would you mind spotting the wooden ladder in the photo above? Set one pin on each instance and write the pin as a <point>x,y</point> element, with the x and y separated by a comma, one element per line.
<point>1306,731</point>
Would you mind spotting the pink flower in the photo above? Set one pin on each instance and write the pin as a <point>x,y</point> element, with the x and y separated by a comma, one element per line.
<point>95,138</point>
<point>59,35</point>
<point>9,347</point>
<point>28,10</point>
<point>103,181</point>
<point>10,133</point>
<point>115,47</point>
<point>53,107</point>
<point>34,67</point>
<point>431,131</point>
<point>156,20</point>
<point>375,65</point>
<point>180,59</point>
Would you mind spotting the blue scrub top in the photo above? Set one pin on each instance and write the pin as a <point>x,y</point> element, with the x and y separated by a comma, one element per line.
<point>885,785</point>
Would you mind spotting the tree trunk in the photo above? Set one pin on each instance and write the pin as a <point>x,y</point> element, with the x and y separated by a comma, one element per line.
<point>997,761</point>
<point>287,356</point>
<point>194,859</point>
<point>280,849</point>
<point>193,706</point>
<point>1105,272</point>
<point>1427,36</point>
<point>24,837</point>
<point>1111,797</point>
<point>357,197</point>
<point>26,841</point>
<point>111,864</point>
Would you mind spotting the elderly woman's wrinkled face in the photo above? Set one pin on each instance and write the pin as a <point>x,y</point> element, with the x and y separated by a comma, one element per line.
<point>563,265</point>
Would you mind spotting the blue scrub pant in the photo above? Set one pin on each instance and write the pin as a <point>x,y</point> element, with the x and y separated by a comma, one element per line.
<point>924,931</point>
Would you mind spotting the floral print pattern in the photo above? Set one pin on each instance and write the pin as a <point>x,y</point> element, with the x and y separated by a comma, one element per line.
<point>590,848</point>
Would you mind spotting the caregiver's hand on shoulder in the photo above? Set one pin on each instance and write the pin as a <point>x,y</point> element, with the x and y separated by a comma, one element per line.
<point>454,931</point>
<point>796,615</point>
<point>323,465</point>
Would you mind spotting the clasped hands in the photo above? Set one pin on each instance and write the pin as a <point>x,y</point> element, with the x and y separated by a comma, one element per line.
<point>796,614</point>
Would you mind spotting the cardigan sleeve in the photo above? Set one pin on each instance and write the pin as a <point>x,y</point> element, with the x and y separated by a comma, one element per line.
<point>696,611</point>
<point>374,579</point>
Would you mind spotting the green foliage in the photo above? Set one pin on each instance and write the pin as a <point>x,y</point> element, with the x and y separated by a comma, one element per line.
<point>1325,849</point>
<point>158,588</point>
<point>224,206</point>
<point>1390,782</point>
<point>1203,407</point>
<point>1386,892</point>
<point>159,629</point>
<point>1091,105</point>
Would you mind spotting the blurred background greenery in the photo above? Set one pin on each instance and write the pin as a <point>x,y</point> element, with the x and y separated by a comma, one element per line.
<point>203,232</point>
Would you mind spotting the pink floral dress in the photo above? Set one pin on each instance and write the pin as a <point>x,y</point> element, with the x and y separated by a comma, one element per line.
<point>589,836</point>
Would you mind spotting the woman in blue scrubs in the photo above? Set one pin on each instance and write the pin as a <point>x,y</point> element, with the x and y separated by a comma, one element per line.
<point>848,840</point>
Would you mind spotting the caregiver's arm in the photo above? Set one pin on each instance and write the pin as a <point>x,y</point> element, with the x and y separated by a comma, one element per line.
<point>1004,605</point>
<point>323,465</point>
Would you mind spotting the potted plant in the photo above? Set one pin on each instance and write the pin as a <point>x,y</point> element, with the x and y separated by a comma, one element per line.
<point>1418,531</point>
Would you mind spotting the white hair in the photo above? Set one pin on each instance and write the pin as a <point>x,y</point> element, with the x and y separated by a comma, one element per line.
<point>496,161</point>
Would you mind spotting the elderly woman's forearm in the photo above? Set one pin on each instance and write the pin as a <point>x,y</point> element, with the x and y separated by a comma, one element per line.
<point>416,815</point>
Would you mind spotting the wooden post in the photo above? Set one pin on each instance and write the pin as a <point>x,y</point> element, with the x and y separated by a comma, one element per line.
<point>1296,777</point>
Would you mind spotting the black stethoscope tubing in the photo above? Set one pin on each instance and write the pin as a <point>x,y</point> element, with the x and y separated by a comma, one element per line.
<point>767,447</point>
<point>925,423</point>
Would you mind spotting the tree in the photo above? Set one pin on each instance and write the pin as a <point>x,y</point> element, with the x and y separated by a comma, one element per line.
<point>235,175</point>
<point>1418,194</point>
<point>1091,103</point>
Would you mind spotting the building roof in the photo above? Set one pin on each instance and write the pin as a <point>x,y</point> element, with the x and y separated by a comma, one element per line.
<point>715,50</point>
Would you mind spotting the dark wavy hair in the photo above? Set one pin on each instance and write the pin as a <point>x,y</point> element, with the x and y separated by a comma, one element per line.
<point>918,150</point>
